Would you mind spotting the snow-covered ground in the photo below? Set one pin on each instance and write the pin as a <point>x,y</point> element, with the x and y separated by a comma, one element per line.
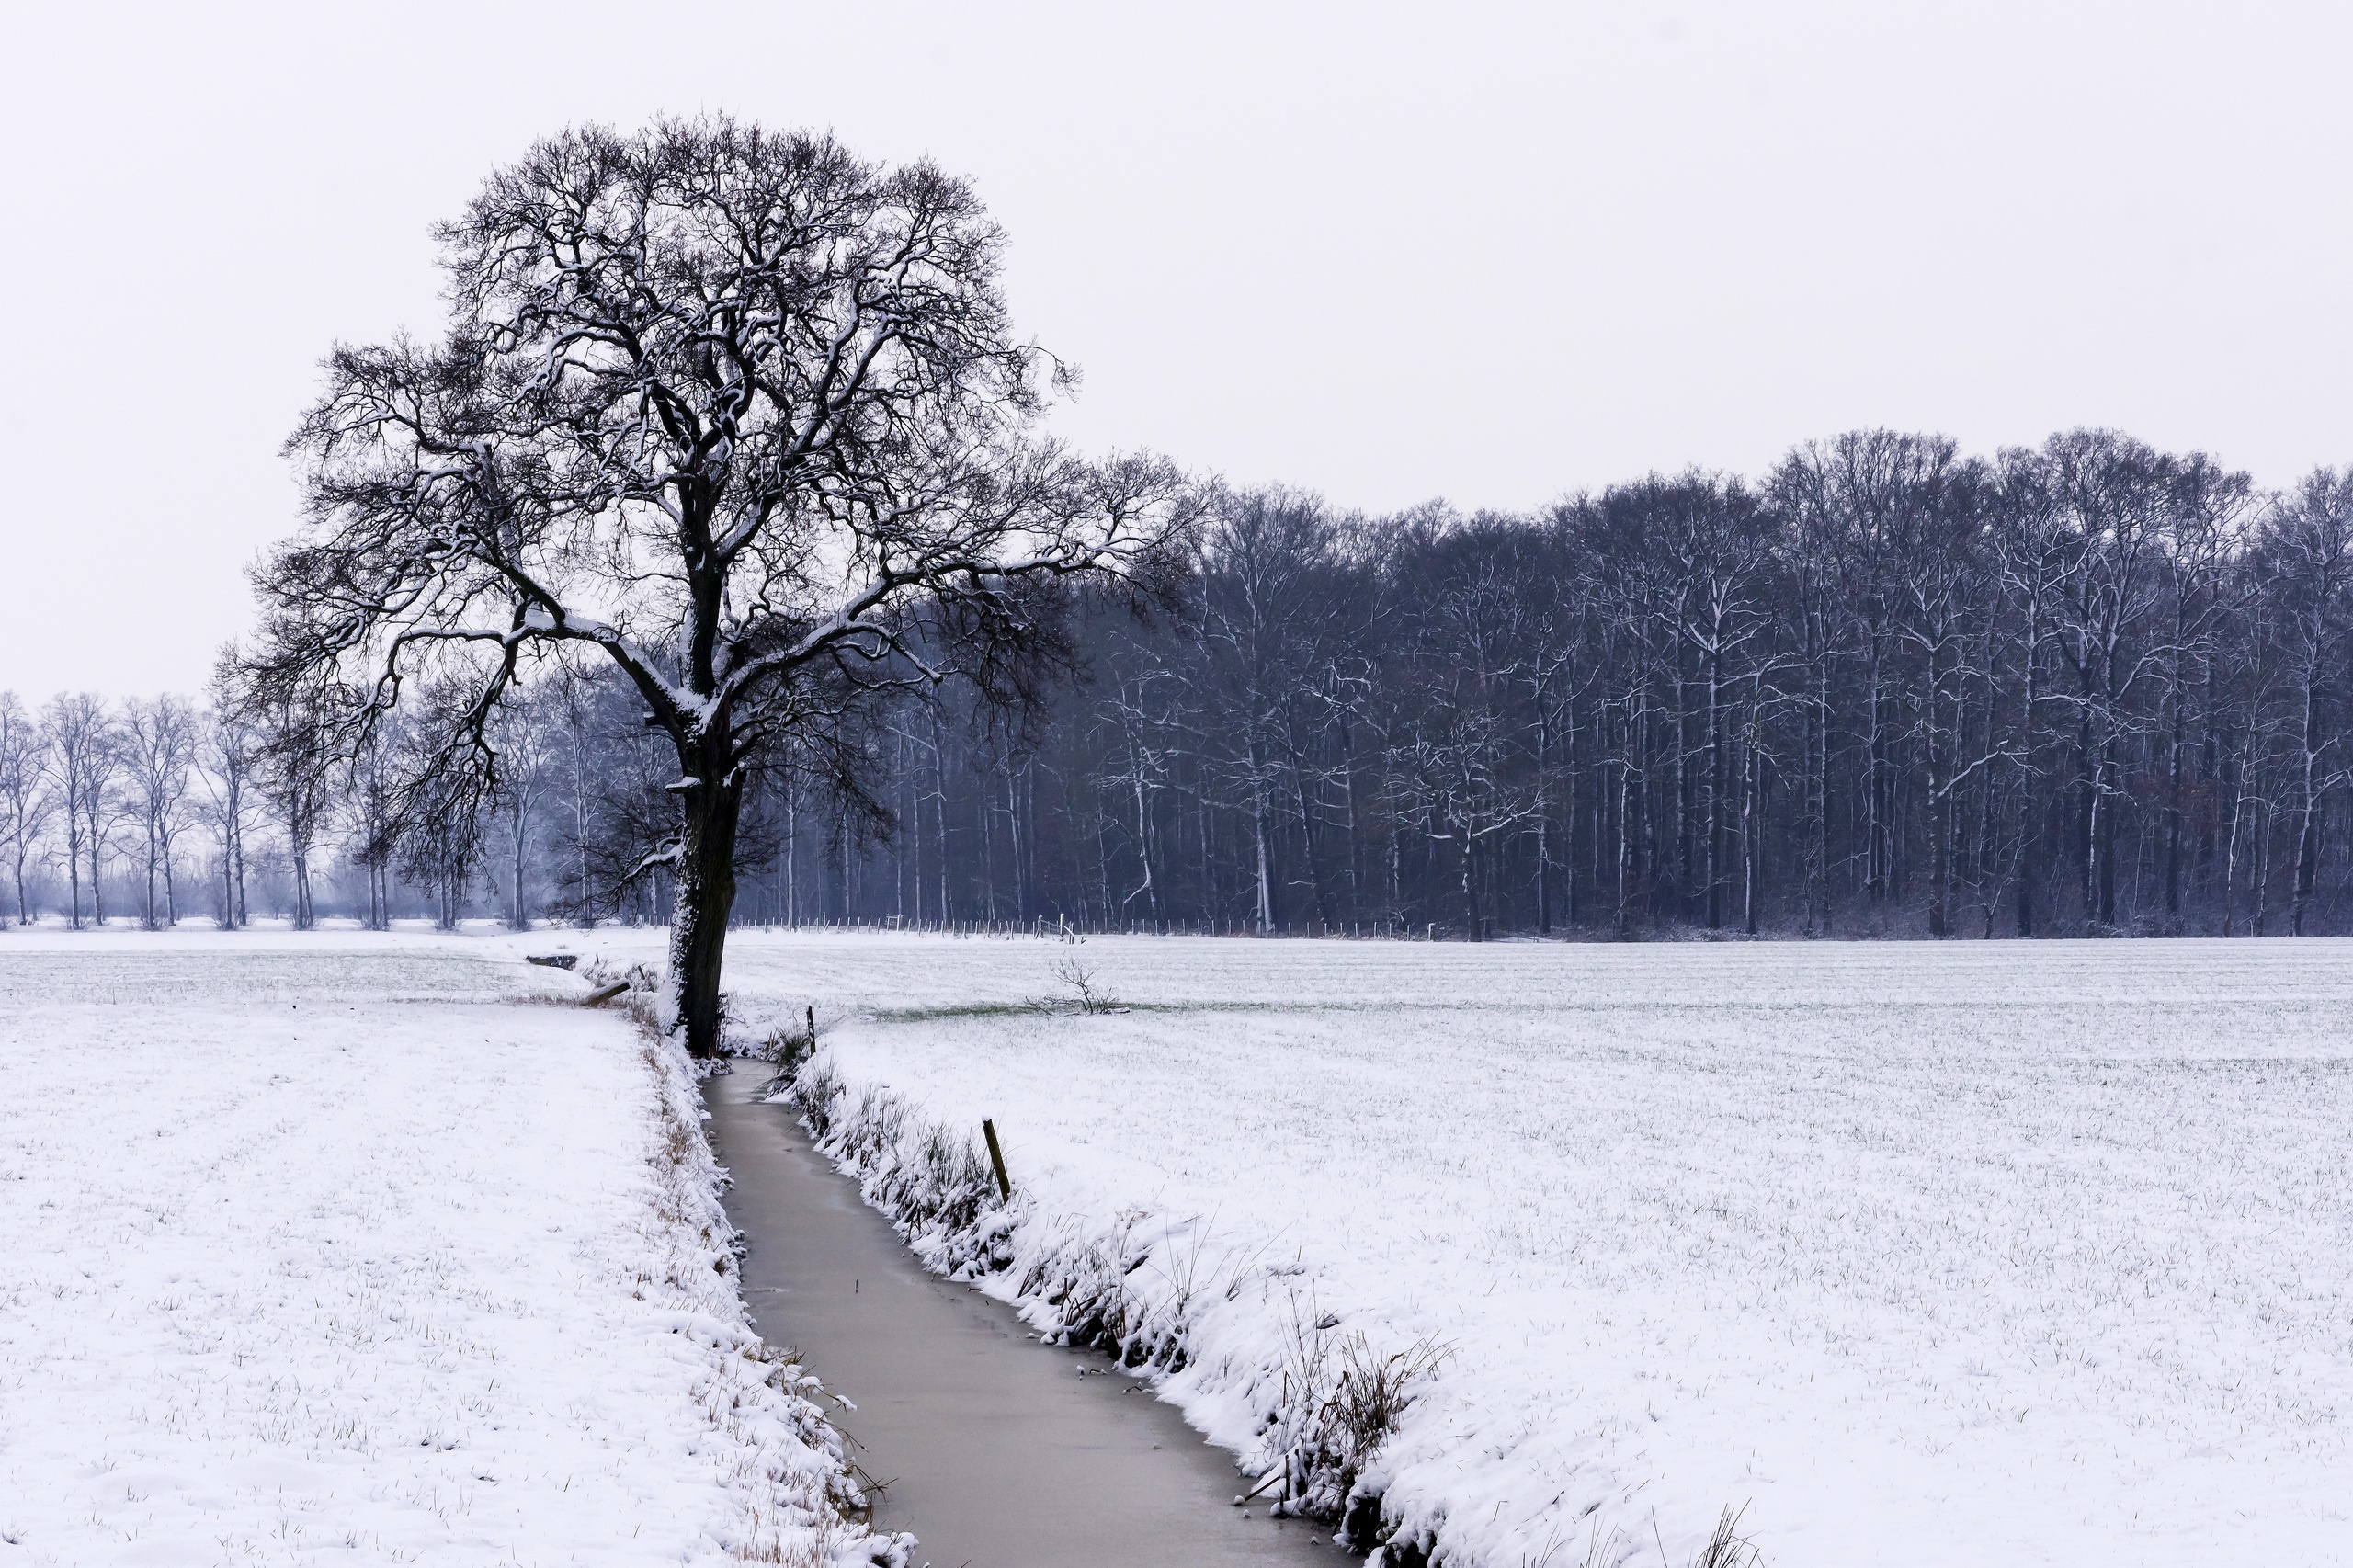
<point>332,1248</point>
<point>1946,1255</point>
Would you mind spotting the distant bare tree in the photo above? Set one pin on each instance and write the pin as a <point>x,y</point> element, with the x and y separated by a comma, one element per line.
<point>738,409</point>
<point>437,826</point>
<point>2111,493</point>
<point>25,803</point>
<point>82,762</point>
<point>2307,553</point>
<point>226,752</point>
<point>1262,626</point>
<point>523,735</point>
<point>1459,761</point>
<point>2209,506</point>
<point>295,767</point>
<point>370,787</point>
<point>159,740</point>
<point>573,706</point>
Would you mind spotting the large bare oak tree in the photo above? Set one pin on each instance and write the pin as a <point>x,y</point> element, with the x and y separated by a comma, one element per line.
<point>736,407</point>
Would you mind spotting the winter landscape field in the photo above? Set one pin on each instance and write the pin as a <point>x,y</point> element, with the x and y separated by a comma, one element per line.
<point>822,745</point>
<point>2017,1252</point>
<point>345,1248</point>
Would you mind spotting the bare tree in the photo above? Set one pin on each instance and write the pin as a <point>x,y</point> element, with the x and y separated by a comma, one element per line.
<point>522,736</point>
<point>2207,508</point>
<point>571,687</point>
<point>2037,560</point>
<point>82,761</point>
<point>1939,579</point>
<point>227,754</point>
<point>159,737</point>
<point>2308,546</point>
<point>295,767</point>
<point>1717,545</point>
<point>437,832</point>
<point>738,409</point>
<point>26,803</point>
<point>2111,493</point>
<point>1461,756</point>
<point>1133,716</point>
<point>368,789</point>
<point>1263,617</point>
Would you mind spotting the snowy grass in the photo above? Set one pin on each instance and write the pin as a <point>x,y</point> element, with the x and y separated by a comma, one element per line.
<point>315,1248</point>
<point>1945,1254</point>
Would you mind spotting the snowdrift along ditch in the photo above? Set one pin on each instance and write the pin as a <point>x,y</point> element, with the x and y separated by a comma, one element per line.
<point>810,1509</point>
<point>1219,1326</point>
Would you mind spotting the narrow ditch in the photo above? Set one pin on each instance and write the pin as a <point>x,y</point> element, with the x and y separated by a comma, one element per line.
<point>997,1451</point>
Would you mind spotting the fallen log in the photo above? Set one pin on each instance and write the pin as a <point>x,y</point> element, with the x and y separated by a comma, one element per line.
<point>597,998</point>
<point>553,960</point>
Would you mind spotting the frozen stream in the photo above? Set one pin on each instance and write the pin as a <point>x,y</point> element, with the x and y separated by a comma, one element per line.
<point>997,1453</point>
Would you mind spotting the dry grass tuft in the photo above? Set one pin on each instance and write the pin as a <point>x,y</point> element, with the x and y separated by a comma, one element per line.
<point>1727,1548</point>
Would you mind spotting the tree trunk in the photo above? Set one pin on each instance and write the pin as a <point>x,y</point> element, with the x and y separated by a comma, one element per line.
<point>1875,855</point>
<point>1144,845</point>
<point>1715,782</point>
<point>703,895</point>
<point>2263,830</point>
<point>2177,738</point>
<point>72,868</point>
<point>98,893</point>
<point>1752,786</point>
<point>1469,883</point>
<point>518,826</point>
<point>939,815</point>
<point>1264,870</point>
<point>2308,829</point>
<point>1683,902</point>
<point>1624,927</point>
<point>1939,792</point>
<point>1817,803</point>
<point>791,853</point>
<point>1985,861</point>
<point>1307,840</point>
<point>2028,824</point>
<point>1543,826</point>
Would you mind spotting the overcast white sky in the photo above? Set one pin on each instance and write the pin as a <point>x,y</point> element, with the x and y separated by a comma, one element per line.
<point>1488,252</point>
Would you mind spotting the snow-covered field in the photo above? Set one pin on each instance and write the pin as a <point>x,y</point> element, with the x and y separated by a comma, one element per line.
<point>331,1248</point>
<point>1961,1253</point>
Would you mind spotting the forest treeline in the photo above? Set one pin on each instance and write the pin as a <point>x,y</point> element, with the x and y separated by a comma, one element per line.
<point>1885,690</point>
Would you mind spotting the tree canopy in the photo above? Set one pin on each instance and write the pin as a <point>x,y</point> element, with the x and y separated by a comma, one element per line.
<point>734,407</point>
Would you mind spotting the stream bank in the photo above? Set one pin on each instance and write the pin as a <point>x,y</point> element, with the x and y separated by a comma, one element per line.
<point>995,1451</point>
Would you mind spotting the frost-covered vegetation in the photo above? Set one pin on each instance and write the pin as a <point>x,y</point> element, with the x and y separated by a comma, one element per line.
<point>337,1249</point>
<point>1953,1255</point>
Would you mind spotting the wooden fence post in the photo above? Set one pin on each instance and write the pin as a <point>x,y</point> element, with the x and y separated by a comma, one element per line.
<point>996,1158</point>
